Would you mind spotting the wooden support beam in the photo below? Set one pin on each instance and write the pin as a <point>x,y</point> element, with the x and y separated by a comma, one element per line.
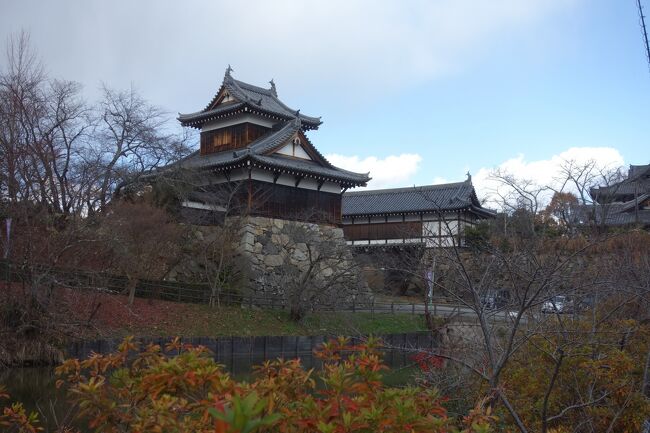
<point>250,190</point>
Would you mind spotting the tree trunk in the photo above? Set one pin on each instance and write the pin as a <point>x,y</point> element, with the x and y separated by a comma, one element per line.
<point>133,283</point>
<point>296,312</point>
<point>646,376</point>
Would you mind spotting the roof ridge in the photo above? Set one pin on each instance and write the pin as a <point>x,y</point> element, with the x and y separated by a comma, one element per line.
<point>414,188</point>
<point>254,88</point>
<point>256,97</point>
<point>257,145</point>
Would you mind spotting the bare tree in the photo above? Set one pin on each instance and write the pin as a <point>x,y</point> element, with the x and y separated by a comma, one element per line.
<point>58,152</point>
<point>522,196</point>
<point>563,210</point>
<point>609,179</point>
<point>130,140</point>
<point>20,109</point>
<point>223,268</point>
<point>42,125</point>
<point>533,274</point>
<point>535,271</point>
<point>316,269</point>
<point>144,240</point>
<point>578,178</point>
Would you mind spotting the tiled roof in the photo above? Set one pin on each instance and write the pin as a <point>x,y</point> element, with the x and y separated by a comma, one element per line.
<point>614,214</point>
<point>308,167</point>
<point>622,189</point>
<point>628,218</point>
<point>637,182</point>
<point>430,198</point>
<point>633,204</point>
<point>250,98</point>
<point>638,170</point>
<point>260,153</point>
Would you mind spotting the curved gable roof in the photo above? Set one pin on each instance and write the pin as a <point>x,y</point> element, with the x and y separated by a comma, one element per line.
<point>261,152</point>
<point>247,97</point>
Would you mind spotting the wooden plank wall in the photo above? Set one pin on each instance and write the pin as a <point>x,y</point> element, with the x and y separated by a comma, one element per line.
<point>230,138</point>
<point>280,201</point>
<point>396,230</point>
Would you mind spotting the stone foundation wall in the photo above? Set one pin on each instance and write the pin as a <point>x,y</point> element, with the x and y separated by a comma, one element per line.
<point>276,258</point>
<point>285,254</point>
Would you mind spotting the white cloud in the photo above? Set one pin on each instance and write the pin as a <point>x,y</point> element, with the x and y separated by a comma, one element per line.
<point>345,48</point>
<point>544,172</point>
<point>390,172</point>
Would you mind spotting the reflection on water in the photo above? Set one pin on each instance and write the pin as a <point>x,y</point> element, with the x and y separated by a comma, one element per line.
<point>35,387</point>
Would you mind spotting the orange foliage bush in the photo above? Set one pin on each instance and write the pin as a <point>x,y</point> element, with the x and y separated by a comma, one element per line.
<point>598,384</point>
<point>14,418</point>
<point>147,391</point>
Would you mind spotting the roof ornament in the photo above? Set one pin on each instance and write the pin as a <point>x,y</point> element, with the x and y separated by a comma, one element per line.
<point>272,83</point>
<point>469,176</point>
<point>229,69</point>
<point>259,101</point>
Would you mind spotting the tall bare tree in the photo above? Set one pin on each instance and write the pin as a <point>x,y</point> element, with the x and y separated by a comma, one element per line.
<point>131,139</point>
<point>522,196</point>
<point>315,269</point>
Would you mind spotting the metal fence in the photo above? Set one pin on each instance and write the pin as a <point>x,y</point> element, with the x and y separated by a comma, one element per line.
<point>265,346</point>
<point>196,293</point>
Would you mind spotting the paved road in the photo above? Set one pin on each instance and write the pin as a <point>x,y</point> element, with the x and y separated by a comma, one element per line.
<point>439,310</point>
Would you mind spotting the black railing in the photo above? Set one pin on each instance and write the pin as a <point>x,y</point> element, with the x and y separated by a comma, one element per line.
<point>56,277</point>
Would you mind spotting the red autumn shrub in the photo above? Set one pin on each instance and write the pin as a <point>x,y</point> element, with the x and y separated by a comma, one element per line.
<point>427,362</point>
<point>145,390</point>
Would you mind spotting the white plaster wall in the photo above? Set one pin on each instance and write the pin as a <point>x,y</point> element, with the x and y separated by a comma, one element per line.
<point>286,179</point>
<point>238,174</point>
<point>262,175</point>
<point>430,228</point>
<point>300,153</point>
<point>331,187</point>
<point>308,183</point>
<point>287,149</point>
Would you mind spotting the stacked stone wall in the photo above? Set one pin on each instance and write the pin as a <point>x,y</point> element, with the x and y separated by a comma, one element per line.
<point>278,249</point>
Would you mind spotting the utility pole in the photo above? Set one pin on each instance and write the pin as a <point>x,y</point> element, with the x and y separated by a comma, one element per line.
<point>645,32</point>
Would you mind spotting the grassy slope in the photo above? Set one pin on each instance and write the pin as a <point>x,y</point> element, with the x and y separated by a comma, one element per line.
<point>200,320</point>
<point>90,315</point>
<point>111,316</point>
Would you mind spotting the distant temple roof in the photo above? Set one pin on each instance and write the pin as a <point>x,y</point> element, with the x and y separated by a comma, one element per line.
<point>417,199</point>
<point>615,214</point>
<point>244,97</point>
<point>636,183</point>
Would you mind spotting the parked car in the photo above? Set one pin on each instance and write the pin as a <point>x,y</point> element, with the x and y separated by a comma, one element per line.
<point>558,304</point>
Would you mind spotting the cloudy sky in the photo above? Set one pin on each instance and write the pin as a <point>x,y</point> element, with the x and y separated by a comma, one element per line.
<point>413,91</point>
